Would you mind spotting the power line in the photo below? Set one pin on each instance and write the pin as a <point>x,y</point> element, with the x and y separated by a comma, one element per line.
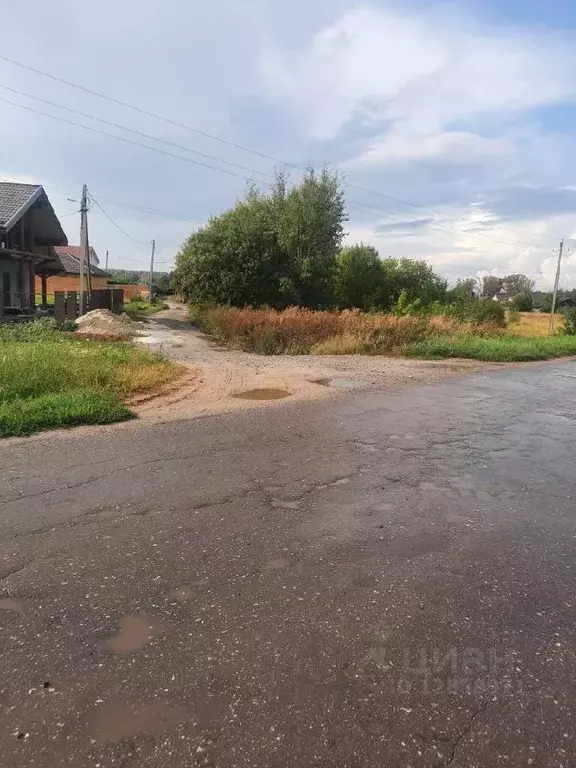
<point>214,137</point>
<point>146,112</point>
<point>116,203</point>
<point>135,132</point>
<point>124,139</point>
<point>134,239</point>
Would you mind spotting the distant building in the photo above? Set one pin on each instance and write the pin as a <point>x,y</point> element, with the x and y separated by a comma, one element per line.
<point>68,277</point>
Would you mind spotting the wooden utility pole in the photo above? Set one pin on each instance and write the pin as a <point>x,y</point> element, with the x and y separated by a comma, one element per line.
<point>106,261</point>
<point>83,243</point>
<point>151,270</point>
<point>556,283</point>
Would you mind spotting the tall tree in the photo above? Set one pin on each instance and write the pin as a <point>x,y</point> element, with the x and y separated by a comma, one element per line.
<point>311,228</point>
<point>517,283</point>
<point>415,279</point>
<point>490,286</point>
<point>360,280</point>
<point>277,248</point>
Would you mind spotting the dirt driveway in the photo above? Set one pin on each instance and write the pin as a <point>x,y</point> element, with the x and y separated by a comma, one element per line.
<point>218,379</point>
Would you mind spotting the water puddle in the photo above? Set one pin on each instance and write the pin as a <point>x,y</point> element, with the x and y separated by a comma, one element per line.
<point>182,594</point>
<point>342,383</point>
<point>10,605</point>
<point>262,394</point>
<point>277,564</point>
<point>134,633</point>
<point>285,504</point>
<point>115,722</point>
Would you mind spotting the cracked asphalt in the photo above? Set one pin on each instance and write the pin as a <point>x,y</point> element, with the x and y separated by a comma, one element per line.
<point>378,579</point>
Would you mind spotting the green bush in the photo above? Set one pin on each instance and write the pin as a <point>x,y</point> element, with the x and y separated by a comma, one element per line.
<point>522,302</point>
<point>569,321</point>
<point>478,312</point>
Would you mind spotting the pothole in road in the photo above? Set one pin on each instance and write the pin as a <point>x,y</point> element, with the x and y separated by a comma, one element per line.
<point>342,383</point>
<point>262,394</point>
<point>10,605</point>
<point>134,633</point>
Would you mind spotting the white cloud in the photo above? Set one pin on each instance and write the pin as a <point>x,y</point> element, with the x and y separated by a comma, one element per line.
<point>423,70</point>
<point>452,147</point>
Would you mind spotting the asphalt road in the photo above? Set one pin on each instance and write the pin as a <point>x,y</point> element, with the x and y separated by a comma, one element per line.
<point>381,579</point>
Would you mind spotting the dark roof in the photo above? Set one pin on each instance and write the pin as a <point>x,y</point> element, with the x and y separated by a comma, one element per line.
<point>15,199</point>
<point>69,257</point>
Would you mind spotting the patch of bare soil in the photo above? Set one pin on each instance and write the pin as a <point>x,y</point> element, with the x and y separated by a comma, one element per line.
<point>219,380</point>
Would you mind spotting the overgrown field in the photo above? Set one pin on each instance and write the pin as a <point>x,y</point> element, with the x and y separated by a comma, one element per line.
<point>303,331</point>
<point>49,379</point>
<point>533,324</point>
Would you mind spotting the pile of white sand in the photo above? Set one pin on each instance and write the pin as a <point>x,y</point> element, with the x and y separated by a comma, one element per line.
<point>105,321</point>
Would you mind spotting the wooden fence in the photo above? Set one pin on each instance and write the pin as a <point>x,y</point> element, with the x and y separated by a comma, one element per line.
<point>67,305</point>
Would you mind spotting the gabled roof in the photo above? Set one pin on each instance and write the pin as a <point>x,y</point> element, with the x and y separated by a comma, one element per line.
<point>69,256</point>
<point>15,199</point>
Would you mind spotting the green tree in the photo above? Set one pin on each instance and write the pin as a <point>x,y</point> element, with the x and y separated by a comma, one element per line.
<point>162,283</point>
<point>490,286</point>
<point>416,278</point>
<point>360,278</point>
<point>311,228</point>
<point>464,290</point>
<point>277,248</point>
<point>235,259</point>
<point>522,302</point>
<point>517,283</point>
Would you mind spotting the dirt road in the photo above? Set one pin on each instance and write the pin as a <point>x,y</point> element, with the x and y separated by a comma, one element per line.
<point>219,375</point>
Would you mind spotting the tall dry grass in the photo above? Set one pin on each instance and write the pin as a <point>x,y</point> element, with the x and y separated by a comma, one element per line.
<point>302,331</point>
<point>534,324</point>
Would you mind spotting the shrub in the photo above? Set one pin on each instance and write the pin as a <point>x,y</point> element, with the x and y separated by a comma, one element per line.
<point>569,321</point>
<point>300,331</point>
<point>478,312</point>
<point>522,302</point>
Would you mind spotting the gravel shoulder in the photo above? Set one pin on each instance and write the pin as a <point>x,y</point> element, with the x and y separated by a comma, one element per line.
<point>216,375</point>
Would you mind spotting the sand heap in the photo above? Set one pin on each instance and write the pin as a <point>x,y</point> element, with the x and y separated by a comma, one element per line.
<point>105,322</point>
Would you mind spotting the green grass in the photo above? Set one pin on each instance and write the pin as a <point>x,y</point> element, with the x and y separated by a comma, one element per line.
<point>494,348</point>
<point>139,309</point>
<point>49,379</point>
<point>24,416</point>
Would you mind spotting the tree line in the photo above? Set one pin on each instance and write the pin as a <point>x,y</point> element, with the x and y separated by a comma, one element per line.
<point>284,247</point>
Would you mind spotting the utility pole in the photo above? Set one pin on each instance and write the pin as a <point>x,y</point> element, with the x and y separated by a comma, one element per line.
<point>106,261</point>
<point>151,269</point>
<point>556,283</point>
<point>83,243</point>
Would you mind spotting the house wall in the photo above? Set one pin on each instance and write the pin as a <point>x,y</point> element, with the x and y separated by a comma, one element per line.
<point>12,269</point>
<point>69,283</point>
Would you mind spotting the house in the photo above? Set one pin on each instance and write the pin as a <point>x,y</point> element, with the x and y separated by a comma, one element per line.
<point>68,276</point>
<point>29,231</point>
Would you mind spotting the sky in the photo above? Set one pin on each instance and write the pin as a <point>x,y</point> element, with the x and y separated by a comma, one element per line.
<point>453,124</point>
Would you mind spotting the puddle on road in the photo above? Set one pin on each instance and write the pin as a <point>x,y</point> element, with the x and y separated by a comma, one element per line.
<point>286,504</point>
<point>10,605</point>
<point>182,594</point>
<point>342,383</point>
<point>115,722</point>
<point>134,633</point>
<point>262,394</point>
<point>277,564</point>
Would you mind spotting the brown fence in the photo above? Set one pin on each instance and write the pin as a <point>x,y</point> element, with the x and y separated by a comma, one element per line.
<point>67,304</point>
